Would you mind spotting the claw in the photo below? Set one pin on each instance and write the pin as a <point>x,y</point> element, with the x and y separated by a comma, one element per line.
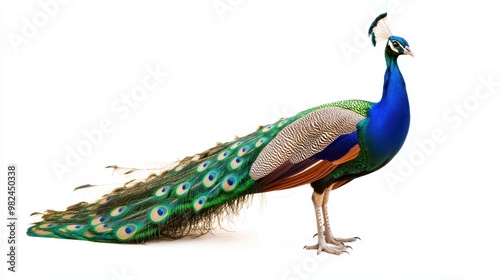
<point>357,238</point>
<point>348,247</point>
<point>315,235</point>
<point>345,252</point>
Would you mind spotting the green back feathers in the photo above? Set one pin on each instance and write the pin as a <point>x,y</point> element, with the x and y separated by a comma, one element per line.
<point>359,106</point>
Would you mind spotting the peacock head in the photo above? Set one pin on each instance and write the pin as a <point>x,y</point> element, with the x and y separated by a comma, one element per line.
<point>397,46</point>
<point>379,30</point>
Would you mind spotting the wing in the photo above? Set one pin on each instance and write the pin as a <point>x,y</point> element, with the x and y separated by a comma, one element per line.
<point>308,149</point>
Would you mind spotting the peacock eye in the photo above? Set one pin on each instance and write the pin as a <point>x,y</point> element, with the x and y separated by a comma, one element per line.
<point>395,44</point>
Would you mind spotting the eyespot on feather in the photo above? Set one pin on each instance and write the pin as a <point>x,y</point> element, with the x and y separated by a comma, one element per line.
<point>158,214</point>
<point>243,151</point>
<point>235,145</point>
<point>126,231</point>
<point>199,202</point>
<point>161,191</point>
<point>260,142</point>
<point>105,200</point>
<point>74,227</point>
<point>267,128</point>
<point>182,188</point>
<point>103,228</point>
<point>210,179</point>
<point>203,166</point>
<point>99,220</point>
<point>229,183</point>
<point>235,163</point>
<point>223,155</point>
<point>46,225</point>
<point>118,211</point>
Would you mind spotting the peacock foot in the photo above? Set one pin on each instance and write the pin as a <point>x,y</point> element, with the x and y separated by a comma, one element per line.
<point>337,240</point>
<point>324,246</point>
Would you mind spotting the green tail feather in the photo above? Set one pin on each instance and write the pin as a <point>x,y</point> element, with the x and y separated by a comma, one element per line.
<point>187,200</point>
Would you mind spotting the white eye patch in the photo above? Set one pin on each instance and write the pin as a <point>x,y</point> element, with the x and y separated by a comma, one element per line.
<point>391,44</point>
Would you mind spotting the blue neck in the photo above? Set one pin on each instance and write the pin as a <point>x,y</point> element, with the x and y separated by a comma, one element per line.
<point>394,93</point>
<point>389,119</point>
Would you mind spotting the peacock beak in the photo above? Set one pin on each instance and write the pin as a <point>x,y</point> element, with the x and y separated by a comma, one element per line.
<point>408,51</point>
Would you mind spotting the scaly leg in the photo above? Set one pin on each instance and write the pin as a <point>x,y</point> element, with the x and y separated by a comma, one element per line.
<point>328,230</point>
<point>323,245</point>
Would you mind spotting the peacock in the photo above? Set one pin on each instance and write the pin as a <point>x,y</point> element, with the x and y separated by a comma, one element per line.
<point>326,146</point>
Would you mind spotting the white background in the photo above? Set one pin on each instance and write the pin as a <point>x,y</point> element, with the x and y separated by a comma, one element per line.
<point>230,72</point>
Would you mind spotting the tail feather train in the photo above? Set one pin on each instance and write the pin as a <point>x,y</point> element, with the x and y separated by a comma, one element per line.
<point>188,199</point>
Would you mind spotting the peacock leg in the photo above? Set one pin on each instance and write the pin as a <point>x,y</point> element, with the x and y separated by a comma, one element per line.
<point>328,230</point>
<point>323,245</point>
